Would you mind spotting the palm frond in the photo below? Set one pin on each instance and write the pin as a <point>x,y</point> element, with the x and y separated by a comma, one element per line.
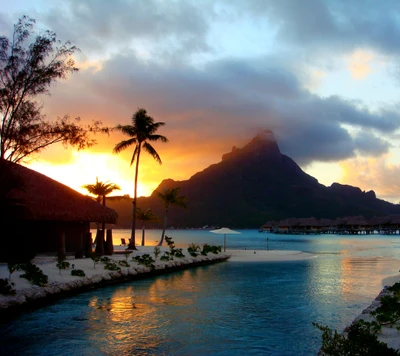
<point>150,149</point>
<point>124,145</point>
<point>135,153</point>
<point>158,138</point>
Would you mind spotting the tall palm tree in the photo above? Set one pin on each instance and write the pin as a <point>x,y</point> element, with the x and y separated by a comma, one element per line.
<point>101,190</point>
<point>170,197</point>
<point>145,216</point>
<point>141,131</point>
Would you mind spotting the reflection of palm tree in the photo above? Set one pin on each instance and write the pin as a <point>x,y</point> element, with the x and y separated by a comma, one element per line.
<point>145,216</point>
<point>170,197</point>
<point>141,131</point>
<point>101,190</point>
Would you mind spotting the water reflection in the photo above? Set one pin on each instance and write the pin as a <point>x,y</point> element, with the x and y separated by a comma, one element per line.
<point>231,308</point>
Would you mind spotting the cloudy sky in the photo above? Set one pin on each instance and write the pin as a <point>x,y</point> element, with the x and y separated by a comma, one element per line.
<point>322,75</point>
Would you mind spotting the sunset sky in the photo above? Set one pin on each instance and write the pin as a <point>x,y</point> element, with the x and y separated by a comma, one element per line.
<point>322,75</point>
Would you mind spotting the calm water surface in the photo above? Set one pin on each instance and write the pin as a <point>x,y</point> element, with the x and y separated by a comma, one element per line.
<point>231,308</point>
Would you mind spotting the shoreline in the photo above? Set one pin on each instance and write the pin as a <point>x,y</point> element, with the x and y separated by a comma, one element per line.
<point>388,335</point>
<point>61,284</point>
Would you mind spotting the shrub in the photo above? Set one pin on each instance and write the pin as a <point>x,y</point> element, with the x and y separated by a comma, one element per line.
<point>61,262</point>
<point>6,287</point>
<point>124,263</point>
<point>145,260</point>
<point>173,251</point>
<point>157,251</point>
<point>34,274</point>
<point>95,259</point>
<point>77,272</point>
<point>111,265</point>
<point>12,267</point>
<point>361,340</point>
<point>395,288</point>
<point>194,249</point>
<point>166,257</point>
<point>389,310</point>
<point>213,249</point>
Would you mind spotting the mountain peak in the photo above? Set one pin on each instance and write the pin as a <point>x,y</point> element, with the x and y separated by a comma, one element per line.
<point>264,142</point>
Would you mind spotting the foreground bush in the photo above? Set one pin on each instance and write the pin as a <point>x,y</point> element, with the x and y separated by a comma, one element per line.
<point>77,272</point>
<point>6,287</point>
<point>361,340</point>
<point>34,274</point>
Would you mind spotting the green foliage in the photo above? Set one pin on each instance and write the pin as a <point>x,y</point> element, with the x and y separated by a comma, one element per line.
<point>395,288</point>
<point>177,252</point>
<point>166,257</point>
<point>110,264</point>
<point>157,251</point>
<point>6,287</point>
<point>34,274</point>
<point>77,272</point>
<point>170,242</point>
<point>194,249</point>
<point>28,70</point>
<point>389,310</point>
<point>145,260</point>
<point>142,130</point>
<point>124,263</point>
<point>95,259</point>
<point>105,259</point>
<point>361,340</point>
<point>208,248</point>
<point>12,267</point>
<point>61,262</point>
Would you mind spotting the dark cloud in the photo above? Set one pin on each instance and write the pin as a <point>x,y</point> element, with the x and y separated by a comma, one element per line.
<point>225,101</point>
<point>230,101</point>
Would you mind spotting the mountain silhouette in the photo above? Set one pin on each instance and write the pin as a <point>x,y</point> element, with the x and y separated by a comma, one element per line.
<point>257,183</point>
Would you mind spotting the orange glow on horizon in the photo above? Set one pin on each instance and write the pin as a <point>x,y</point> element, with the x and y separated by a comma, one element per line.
<point>84,167</point>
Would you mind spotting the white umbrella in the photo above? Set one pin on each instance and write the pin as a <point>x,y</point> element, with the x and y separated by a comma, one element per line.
<point>225,231</point>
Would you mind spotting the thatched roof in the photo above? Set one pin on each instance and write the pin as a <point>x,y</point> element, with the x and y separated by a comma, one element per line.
<point>50,200</point>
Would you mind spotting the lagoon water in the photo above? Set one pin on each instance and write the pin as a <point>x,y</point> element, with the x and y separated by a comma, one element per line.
<point>230,308</point>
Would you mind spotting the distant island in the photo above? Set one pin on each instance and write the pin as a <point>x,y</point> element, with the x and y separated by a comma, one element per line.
<point>253,185</point>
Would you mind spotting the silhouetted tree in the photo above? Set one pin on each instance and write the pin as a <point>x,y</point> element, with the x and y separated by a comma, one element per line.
<point>170,197</point>
<point>26,71</point>
<point>145,216</point>
<point>142,130</point>
<point>101,190</point>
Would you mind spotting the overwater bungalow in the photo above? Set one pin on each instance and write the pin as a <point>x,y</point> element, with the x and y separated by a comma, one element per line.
<point>341,225</point>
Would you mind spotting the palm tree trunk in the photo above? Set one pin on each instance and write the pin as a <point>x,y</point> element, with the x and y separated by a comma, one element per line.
<point>132,242</point>
<point>143,228</point>
<point>103,225</point>
<point>164,228</point>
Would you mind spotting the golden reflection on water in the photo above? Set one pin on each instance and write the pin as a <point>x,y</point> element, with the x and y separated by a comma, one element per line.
<point>133,318</point>
<point>356,274</point>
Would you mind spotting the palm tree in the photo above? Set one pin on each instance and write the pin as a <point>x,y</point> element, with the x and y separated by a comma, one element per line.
<point>141,131</point>
<point>101,190</point>
<point>170,197</point>
<point>145,216</point>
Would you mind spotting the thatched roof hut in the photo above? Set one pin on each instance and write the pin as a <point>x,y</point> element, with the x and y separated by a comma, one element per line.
<point>49,216</point>
<point>48,199</point>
